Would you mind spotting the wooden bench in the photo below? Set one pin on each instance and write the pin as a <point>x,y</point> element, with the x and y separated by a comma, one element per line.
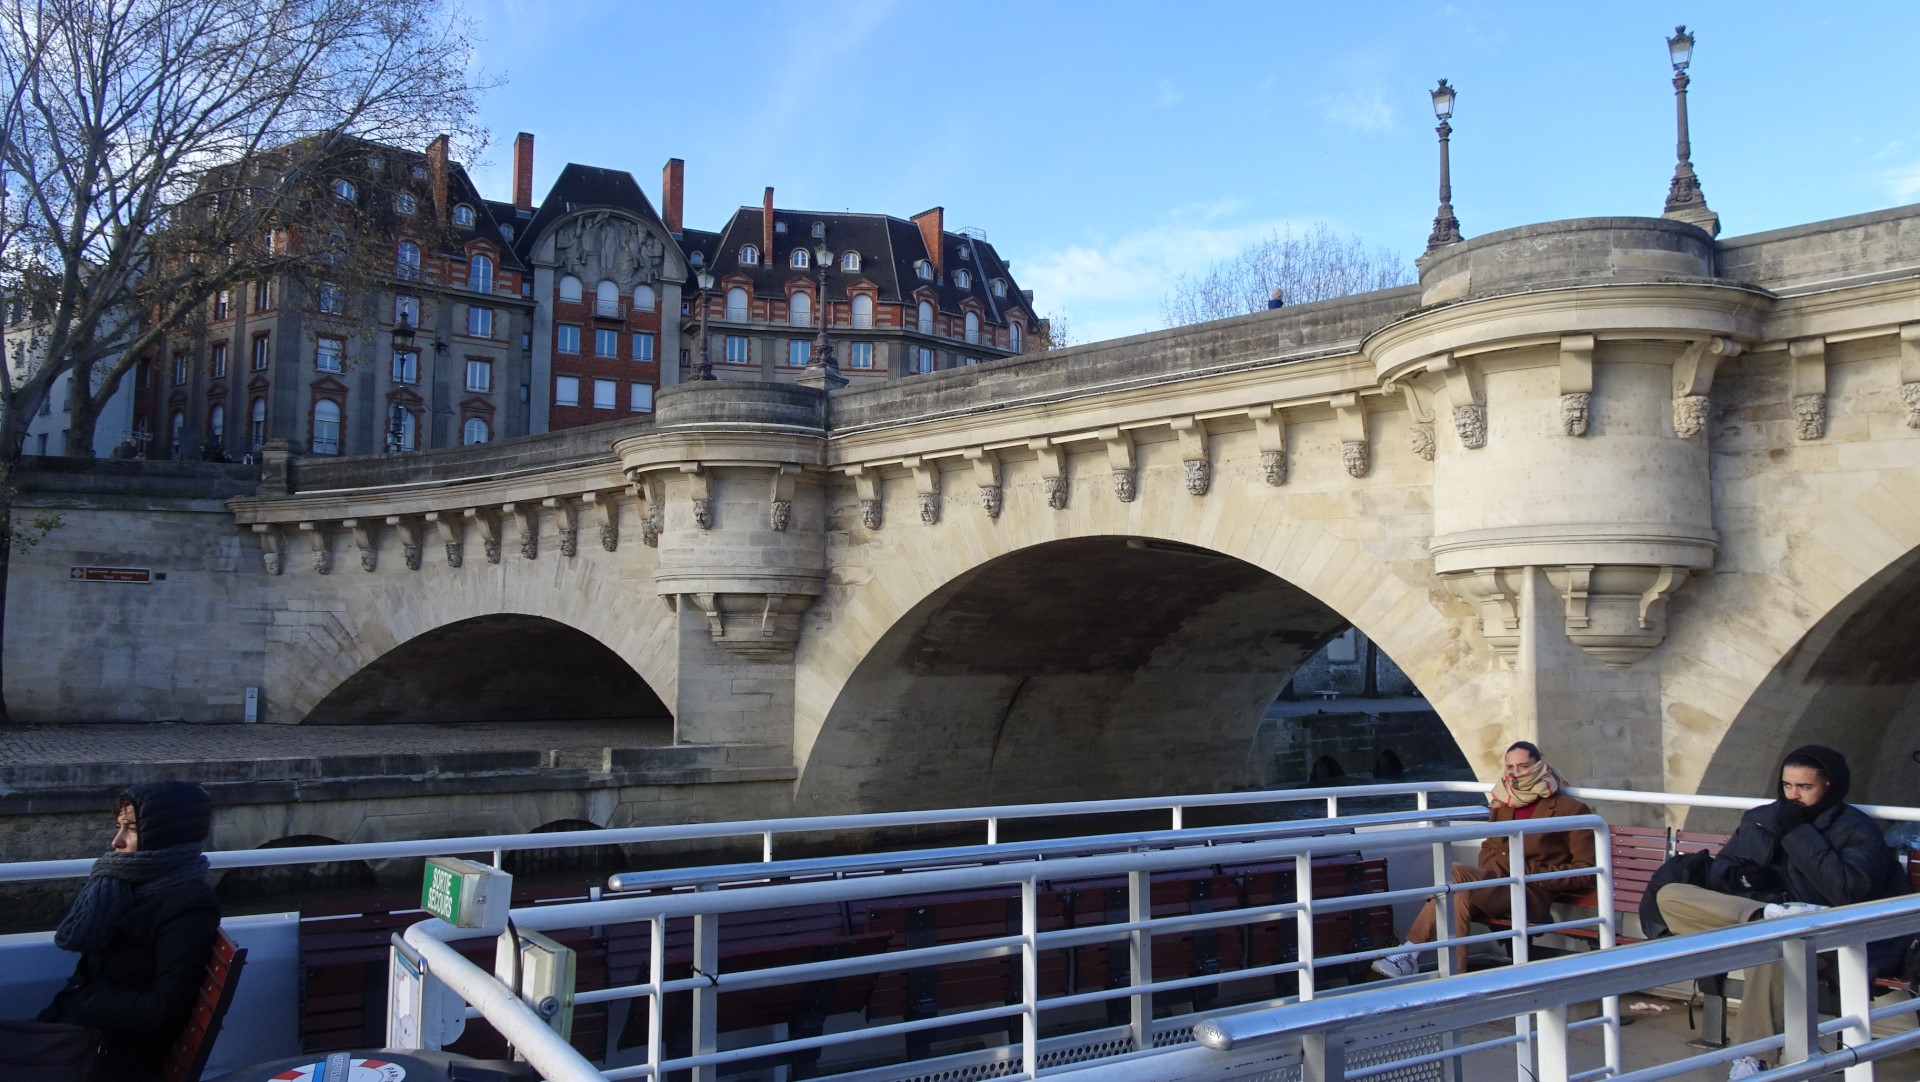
<point>187,1057</point>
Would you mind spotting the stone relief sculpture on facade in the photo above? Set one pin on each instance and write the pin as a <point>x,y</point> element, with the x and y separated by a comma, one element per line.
<point>1199,476</point>
<point>991,500</point>
<point>870,514</point>
<point>654,524</point>
<point>369,559</point>
<point>1573,412</point>
<point>1420,434</point>
<point>492,546</point>
<point>272,560</point>
<point>1274,465</point>
<point>1910,395</point>
<point>609,536</point>
<point>779,514</point>
<point>1689,415</point>
<point>600,246</point>
<point>411,553</point>
<point>569,541</point>
<point>530,546</point>
<point>455,557</point>
<point>1470,424</point>
<point>1354,454</point>
<point>929,507</point>
<point>703,514</point>
<point>1122,487</point>
<point>1056,492</point>
<point>322,561</point>
<point>1809,416</point>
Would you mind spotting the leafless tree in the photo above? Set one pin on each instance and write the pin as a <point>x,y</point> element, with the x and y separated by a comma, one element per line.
<point>155,152</point>
<point>1310,266</point>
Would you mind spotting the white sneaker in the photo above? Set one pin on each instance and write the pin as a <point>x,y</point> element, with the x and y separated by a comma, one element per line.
<point>1747,1066</point>
<point>1397,965</point>
<point>1787,909</point>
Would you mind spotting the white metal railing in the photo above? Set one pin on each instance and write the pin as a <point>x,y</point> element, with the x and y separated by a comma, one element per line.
<point>1030,879</point>
<point>862,321</point>
<point>609,309</point>
<point>973,337</point>
<point>1544,992</point>
<point>736,315</point>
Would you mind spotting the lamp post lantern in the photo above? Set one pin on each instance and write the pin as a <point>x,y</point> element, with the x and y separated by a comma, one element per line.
<point>1685,201</point>
<point>822,369</point>
<point>704,370</point>
<point>1446,228</point>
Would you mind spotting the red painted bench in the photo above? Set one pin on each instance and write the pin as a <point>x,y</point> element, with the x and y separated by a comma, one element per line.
<point>187,1058</point>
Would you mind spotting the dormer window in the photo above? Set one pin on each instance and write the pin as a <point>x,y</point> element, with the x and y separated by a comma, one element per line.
<point>696,260</point>
<point>962,279</point>
<point>966,251</point>
<point>375,163</point>
<point>850,261</point>
<point>343,190</point>
<point>506,232</point>
<point>419,172</point>
<point>780,228</point>
<point>462,215</point>
<point>749,256</point>
<point>819,230</point>
<point>799,259</point>
<point>403,203</point>
<point>923,269</point>
<point>999,287</point>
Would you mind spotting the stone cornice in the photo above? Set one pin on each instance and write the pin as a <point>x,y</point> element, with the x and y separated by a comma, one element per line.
<point>414,499</point>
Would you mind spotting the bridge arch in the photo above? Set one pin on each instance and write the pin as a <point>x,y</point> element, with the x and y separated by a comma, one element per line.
<point>1275,571</point>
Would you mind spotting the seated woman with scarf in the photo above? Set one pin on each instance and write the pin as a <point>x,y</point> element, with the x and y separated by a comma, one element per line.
<point>144,926</point>
<point>1528,789</point>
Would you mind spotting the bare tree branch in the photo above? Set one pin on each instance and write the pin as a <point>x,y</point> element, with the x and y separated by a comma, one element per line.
<point>1306,267</point>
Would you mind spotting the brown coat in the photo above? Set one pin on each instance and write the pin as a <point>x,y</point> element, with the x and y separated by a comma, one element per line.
<point>1545,852</point>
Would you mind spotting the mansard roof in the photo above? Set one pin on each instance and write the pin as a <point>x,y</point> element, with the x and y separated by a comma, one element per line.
<point>587,187</point>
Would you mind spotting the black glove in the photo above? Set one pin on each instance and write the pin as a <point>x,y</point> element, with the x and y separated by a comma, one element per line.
<point>1782,816</point>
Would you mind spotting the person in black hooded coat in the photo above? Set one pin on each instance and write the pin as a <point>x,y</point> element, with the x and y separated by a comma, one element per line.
<point>144,925</point>
<point>1806,850</point>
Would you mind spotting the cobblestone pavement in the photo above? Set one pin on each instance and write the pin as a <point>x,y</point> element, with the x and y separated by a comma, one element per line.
<point>163,742</point>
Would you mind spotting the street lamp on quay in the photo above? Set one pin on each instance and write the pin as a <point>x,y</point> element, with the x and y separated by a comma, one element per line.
<point>704,370</point>
<point>1685,201</point>
<point>822,365</point>
<point>1446,228</point>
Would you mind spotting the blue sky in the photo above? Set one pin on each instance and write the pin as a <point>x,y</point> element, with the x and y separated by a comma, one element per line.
<point>1105,148</point>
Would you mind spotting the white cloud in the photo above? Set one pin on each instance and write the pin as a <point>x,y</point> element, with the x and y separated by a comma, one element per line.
<point>1362,109</point>
<point>1167,95</point>
<point>1904,182</point>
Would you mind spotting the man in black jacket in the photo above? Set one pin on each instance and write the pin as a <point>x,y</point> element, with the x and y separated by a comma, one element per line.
<point>1807,850</point>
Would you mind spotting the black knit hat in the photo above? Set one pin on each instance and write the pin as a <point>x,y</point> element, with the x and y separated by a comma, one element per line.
<point>1831,764</point>
<point>169,813</point>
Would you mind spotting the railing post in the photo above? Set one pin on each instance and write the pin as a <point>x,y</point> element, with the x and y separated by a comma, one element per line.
<point>1856,1001</point>
<point>1140,957</point>
<point>1323,1056</point>
<point>1517,916</point>
<point>1179,817</point>
<point>766,847</point>
<point>1333,807</point>
<point>656,1000</point>
<point>1609,936</point>
<point>993,830</point>
<point>1799,999</point>
<point>706,999</point>
<point>1030,977</point>
<point>1303,922</point>
<point>1552,1044</point>
<point>1443,906</point>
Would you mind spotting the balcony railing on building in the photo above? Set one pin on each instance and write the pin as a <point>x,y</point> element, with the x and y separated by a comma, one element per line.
<point>862,321</point>
<point>609,309</point>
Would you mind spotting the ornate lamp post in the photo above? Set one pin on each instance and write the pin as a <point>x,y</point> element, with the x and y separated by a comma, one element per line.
<point>1446,228</point>
<point>403,332</point>
<point>1685,201</point>
<point>822,369</point>
<point>704,370</point>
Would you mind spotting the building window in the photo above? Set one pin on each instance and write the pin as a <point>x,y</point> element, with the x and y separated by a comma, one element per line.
<point>998,286</point>
<point>333,299</point>
<point>570,289</point>
<point>262,296</point>
<point>850,261</point>
<point>406,261</point>
<point>860,355</point>
<point>963,279</point>
<point>862,311</point>
<point>327,354</point>
<point>143,374</point>
<point>402,418</point>
<point>566,390</point>
<point>179,370</point>
<point>923,360</point>
<point>606,394</point>
<point>257,424</point>
<point>1013,337</point>
<point>218,364</point>
<point>406,366</point>
<point>343,190</point>
<point>569,338</point>
<point>643,347</point>
<point>926,317</point>
<point>262,353</point>
<point>643,300</point>
<point>463,215</point>
<point>736,305</point>
<point>799,351</point>
<point>973,328</point>
<point>640,397</point>
<point>480,274</point>
<point>800,310</point>
<point>217,424</point>
<point>798,261</point>
<point>419,172</point>
<point>222,303</point>
<point>606,300</point>
<point>177,432</point>
<point>479,375</point>
<point>923,270</point>
<point>606,343</point>
<point>403,203</point>
<point>749,256</point>
<point>326,427</point>
<point>406,310</point>
<point>737,349</point>
<point>479,321</point>
<point>971,361</point>
<point>474,431</point>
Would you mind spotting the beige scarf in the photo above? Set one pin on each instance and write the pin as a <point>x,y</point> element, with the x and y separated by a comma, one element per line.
<point>1538,782</point>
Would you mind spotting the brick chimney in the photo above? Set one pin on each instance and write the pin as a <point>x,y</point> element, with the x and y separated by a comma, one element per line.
<point>437,176</point>
<point>766,228</point>
<point>523,171</point>
<point>933,230</point>
<point>673,177</point>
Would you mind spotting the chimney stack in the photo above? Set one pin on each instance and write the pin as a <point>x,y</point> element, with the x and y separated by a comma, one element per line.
<point>523,171</point>
<point>933,230</point>
<point>672,179</point>
<point>437,176</point>
<point>766,227</point>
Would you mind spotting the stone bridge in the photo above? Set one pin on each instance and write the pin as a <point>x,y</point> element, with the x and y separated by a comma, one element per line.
<point>1649,499</point>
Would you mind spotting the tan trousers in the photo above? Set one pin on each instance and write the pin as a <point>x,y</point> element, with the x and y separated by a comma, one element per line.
<point>1468,907</point>
<point>1690,909</point>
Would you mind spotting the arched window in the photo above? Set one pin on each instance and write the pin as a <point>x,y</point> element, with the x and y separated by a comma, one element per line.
<point>850,261</point>
<point>862,310</point>
<point>462,215</point>
<point>999,287</point>
<point>403,203</point>
<point>736,305</point>
<point>570,289</point>
<point>606,298</point>
<point>800,310</point>
<point>1013,337</point>
<point>217,423</point>
<point>343,190</point>
<point>923,269</point>
<point>963,279</point>
<point>409,430</point>
<point>406,261</point>
<point>326,427</point>
<point>474,431</point>
<point>257,424</point>
<point>926,317</point>
<point>177,431</point>
<point>643,298</point>
<point>749,256</point>
<point>973,327</point>
<point>480,274</point>
<point>799,259</point>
